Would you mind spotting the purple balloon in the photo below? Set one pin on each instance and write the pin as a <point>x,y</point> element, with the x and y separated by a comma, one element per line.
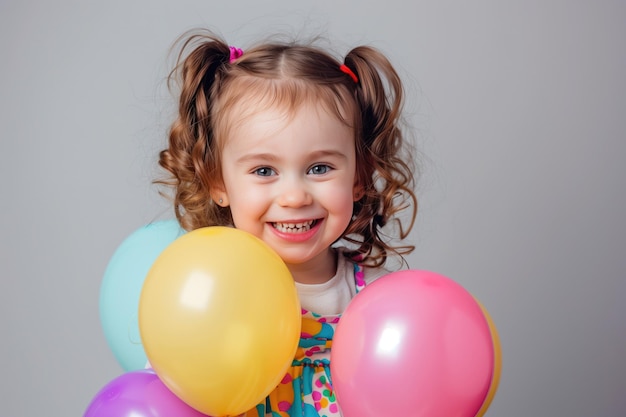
<point>138,394</point>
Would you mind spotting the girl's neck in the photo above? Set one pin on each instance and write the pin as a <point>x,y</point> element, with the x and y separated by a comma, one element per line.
<point>316,271</point>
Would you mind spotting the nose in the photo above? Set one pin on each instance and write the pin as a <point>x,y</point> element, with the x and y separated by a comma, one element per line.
<point>294,193</point>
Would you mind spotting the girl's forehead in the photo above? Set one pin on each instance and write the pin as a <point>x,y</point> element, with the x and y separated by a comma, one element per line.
<point>309,130</point>
<point>277,108</point>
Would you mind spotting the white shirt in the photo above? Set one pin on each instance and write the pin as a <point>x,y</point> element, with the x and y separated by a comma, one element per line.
<point>333,296</point>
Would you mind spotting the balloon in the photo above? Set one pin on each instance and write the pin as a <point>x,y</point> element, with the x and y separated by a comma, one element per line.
<point>138,394</point>
<point>497,360</point>
<point>412,343</point>
<point>220,319</point>
<point>121,287</point>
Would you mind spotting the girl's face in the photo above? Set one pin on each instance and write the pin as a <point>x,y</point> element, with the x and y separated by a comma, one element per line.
<point>290,180</point>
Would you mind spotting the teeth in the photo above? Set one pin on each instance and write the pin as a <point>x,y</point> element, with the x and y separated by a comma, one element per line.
<point>294,227</point>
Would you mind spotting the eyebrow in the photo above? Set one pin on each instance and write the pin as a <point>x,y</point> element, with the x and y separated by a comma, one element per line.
<point>256,157</point>
<point>328,152</point>
<point>271,157</point>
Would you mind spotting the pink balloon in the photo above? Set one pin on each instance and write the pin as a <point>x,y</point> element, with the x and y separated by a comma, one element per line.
<point>412,343</point>
<point>138,394</point>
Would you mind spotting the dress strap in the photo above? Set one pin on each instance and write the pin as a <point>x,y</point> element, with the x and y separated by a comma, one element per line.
<point>359,277</point>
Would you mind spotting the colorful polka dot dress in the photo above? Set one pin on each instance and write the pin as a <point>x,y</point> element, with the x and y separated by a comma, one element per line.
<point>306,389</point>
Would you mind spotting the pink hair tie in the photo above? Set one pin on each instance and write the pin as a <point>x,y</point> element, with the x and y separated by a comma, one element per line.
<point>234,54</point>
<point>344,68</point>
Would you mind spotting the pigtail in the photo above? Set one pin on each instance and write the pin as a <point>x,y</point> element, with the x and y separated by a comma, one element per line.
<point>385,169</point>
<point>191,140</point>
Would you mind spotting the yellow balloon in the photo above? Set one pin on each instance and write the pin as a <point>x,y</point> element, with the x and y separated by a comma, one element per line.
<point>219,319</point>
<point>497,365</point>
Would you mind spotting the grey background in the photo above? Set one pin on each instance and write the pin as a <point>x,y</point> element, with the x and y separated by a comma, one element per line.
<point>519,109</point>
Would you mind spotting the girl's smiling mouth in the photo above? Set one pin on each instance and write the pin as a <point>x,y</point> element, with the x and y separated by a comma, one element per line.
<point>295,227</point>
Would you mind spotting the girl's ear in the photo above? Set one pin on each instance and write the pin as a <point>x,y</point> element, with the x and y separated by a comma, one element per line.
<point>219,196</point>
<point>357,192</point>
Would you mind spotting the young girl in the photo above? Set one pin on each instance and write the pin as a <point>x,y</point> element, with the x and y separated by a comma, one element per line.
<point>305,152</point>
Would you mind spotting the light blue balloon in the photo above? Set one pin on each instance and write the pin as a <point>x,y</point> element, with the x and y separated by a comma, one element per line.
<point>121,289</point>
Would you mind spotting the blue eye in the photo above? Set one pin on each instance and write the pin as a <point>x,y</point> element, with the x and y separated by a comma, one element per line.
<point>264,172</point>
<point>319,169</point>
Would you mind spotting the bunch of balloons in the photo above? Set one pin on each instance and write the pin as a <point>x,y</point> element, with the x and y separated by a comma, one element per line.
<point>216,314</point>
